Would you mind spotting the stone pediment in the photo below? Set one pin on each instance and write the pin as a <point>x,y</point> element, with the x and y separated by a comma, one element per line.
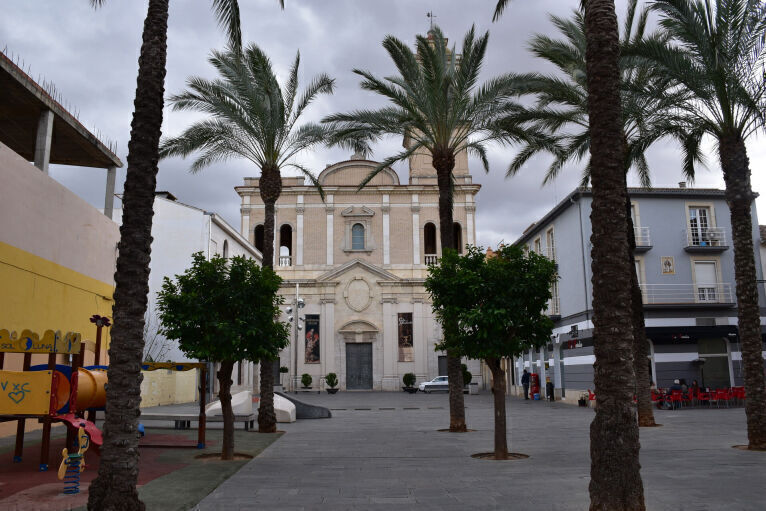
<point>357,211</point>
<point>379,273</point>
<point>358,326</point>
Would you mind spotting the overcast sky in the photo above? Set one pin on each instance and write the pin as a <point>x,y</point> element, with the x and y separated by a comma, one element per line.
<point>91,56</point>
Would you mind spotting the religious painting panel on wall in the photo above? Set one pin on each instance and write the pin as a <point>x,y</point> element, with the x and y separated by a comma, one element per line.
<point>312,339</point>
<point>406,350</point>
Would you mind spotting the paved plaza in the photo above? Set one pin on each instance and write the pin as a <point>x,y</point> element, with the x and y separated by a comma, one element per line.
<point>383,451</point>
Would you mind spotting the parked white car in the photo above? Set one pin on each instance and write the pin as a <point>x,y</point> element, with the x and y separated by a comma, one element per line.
<point>438,383</point>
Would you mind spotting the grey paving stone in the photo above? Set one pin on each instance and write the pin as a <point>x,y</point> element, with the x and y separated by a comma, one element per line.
<point>395,459</point>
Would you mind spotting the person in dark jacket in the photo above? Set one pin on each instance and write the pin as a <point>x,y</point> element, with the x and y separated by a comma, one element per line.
<point>525,383</point>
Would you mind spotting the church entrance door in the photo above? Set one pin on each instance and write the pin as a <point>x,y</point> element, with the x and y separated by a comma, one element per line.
<point>359,366</point>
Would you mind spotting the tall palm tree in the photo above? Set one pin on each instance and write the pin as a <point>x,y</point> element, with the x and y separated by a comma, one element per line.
<point>115,485</point>
<point>717,54</point>
<point>437,106</point>
<point>561,110</point>
<point>251,117</point>
<point>614,446</point>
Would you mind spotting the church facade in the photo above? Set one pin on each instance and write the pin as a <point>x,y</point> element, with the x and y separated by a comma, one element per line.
<point>358,260</point>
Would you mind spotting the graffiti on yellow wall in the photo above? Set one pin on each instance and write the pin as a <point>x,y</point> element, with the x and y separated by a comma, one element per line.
<point>32,342</point>
<point>25,392</point>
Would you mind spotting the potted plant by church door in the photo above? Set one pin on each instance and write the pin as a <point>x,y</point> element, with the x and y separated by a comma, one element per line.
<point>409,383</point>
<point>332,381</point>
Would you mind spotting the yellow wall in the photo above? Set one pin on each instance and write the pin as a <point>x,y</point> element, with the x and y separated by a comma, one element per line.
<point>165,387</point>
<point>41,295</point>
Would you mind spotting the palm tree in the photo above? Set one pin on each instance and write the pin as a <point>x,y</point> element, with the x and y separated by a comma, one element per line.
<point>561,110</point>
<point>115,485</point>
<point>251,117</point>
<point>614,446</point>
<point>717,54</point>
<point>436,105</point>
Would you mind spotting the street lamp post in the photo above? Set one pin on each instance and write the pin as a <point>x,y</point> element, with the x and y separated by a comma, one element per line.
<point>297,305</point>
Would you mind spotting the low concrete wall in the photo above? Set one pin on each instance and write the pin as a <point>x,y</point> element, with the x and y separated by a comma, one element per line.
<point>164,387</point>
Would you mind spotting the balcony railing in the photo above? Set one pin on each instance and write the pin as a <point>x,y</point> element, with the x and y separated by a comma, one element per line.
<point>705,237</point>
<point>285,261</point>
<point>669,294</point>
<point>432,259</point>
<point>641,235</point>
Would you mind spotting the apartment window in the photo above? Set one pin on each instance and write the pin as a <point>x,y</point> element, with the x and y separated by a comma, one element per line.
<point>550,245</point>
<point>357,237</point>
<point>699,225</point>
<point>705,275</point>
<point>538,249</point>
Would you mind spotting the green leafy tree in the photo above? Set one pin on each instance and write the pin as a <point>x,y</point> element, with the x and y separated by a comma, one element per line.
<point>224,310</point>
<point>115,485</point>
<point>499,305</point>
<point>561,111</point>
<point>717,54</point>
<point>615,482</point>
<point>439,109</point>
<point>250,116</point>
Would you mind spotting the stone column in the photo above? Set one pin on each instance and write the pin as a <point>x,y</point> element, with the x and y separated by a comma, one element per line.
<point>330,210</point>
<point>419,337</point>
<point>245,212</point>
<point>299,209</point>
<point>470,227</point>
<point>386,208</point>
<point>43,141</point>
<point>415,230</point>
<point>390,343</point>
<point>111,177</point>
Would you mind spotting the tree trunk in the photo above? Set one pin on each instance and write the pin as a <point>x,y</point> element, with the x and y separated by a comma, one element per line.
<point>640,344</point>
<point>115,485</point>
<point>270,188</point>
<point>224,394</point>
<point>498,391</point>
<point>739,195</point>
<point>267,417</point>
<point>615,470</point>
<point>444,163</point>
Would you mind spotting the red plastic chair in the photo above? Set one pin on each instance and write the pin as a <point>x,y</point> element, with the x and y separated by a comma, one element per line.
<point>722,395</point>
<point>676,396</point>
<point>738,393</point>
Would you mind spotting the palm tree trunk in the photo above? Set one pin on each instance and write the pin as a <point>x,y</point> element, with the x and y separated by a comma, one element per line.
<point>115,485</point>
<point>270,186</point>
<point>640,343</point>
<point>224,382</point>
<point>444,163</point>
<point>615,470</point>
<point>498,391</point>
<point>267,418</point>
<point>739,195</point>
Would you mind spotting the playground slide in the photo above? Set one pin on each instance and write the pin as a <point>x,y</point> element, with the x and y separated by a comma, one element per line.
<point>91,386</point>
<point>76,422</point>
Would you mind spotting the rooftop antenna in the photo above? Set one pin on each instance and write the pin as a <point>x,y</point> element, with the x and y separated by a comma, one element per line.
<point>430,15</point>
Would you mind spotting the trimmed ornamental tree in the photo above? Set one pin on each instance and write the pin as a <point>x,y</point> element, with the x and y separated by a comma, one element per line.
<point>499,306</point>
<point>224,310</point>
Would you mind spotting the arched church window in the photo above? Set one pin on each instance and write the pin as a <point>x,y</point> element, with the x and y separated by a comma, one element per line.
<point>429,238</point>
<point>225,249</point>
<point>458,237</point>
<point>259,238</point>
<point>357,237</point>
<point>285,245</point>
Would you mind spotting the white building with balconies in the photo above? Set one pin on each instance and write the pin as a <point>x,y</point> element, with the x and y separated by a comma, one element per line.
<point>685,266</point>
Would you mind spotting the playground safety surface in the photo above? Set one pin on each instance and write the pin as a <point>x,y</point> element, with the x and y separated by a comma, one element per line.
<point>169,478</point>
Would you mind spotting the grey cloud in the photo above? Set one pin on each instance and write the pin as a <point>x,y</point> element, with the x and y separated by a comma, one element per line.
<point>91,55</point>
